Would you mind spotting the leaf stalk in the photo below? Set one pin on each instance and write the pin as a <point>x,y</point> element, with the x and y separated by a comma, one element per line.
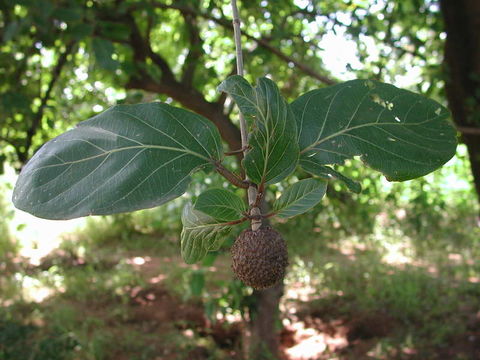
<point>231,177</point>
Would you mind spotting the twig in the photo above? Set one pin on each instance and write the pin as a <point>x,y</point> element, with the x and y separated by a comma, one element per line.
<point>466,130</point>
<point>235,152</point>
<point>237,33</point>
<point>231,177</point>
<point>252,189</point>
<point>235,222</point>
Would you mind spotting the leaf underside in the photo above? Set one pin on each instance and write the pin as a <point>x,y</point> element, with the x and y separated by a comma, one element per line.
<point>127,158</point>
<point>327,173</point>
<point>397,132</point>
<point>206,222</point>
<point>201,233</point>
<point>300,197</point>
<point>221,204</point>
<point>273,136</point>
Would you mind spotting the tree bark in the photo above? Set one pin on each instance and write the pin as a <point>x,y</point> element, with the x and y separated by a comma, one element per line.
<point>264,329</point>
<point>264,342</point>
<point>462,63</point>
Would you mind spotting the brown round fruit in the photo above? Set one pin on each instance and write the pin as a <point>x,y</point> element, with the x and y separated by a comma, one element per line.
<point>259,258</point>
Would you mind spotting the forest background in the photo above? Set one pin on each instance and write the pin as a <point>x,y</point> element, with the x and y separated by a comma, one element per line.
<point>391,273</point>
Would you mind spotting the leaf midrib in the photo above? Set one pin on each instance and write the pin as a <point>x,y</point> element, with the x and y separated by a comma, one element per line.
<point>109,152</point>
<point>346,130</point>
<point>298,199</point>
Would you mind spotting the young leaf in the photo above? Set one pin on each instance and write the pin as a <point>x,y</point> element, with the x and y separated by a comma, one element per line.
<point>129,157</point>
<point>201,233</point>
<point>273,139</point>
<point>328,173</point>
<point>221,204</point>
<point>300,197</point>
<point>399,133</point>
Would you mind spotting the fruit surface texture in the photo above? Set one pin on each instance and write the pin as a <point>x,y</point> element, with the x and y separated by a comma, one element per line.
<point>259,258</point>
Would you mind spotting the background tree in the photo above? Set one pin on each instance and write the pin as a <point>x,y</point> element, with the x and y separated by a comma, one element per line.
<point>462,65</point>
<point>162,48</point>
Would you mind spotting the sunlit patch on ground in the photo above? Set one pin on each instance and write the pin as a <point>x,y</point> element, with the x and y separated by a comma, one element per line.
<point>350,299</point>
<point>39,237</point>
<point>309,343</point>
<point>33,290</point>
<point>36,237</point>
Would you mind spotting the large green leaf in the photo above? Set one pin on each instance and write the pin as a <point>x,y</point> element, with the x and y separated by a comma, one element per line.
<point>129,157</point>
<point>397,132</point>
<point>273,137</point>
<point>201,233</point>
<point>327,173</point>
<point>300,197</point>
<point>221,204</point>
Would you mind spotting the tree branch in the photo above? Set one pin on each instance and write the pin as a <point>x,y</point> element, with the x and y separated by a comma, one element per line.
<point>8,141</point>
<point>193,100</point>
<point>195,52</point>
<point>37,117</point>
<point>142,49</point>
<point>468,130</point>
<point>261,42</point>
<point>185,94</point>
<point>252,192</point>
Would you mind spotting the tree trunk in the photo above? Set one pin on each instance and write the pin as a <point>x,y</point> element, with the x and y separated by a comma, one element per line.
<point>264,342</point>
<point>264,329</point>
<point>462,63</point>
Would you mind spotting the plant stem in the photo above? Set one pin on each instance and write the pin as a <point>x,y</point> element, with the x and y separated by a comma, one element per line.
<point>237,33</point>
<point>231,177</point>
<point>235,222</point>
<point>252,189</point>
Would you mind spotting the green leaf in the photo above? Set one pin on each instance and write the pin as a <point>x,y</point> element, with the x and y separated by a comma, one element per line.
<point>80,31</point>
<point>300,197</point>
<point>11,30</point>
<point>221,204</point>
<point>68,15</point>
<point>201,233</point>
<point>114,30</point>
<point>328,173</point>
<point>273,136</point>
<point>197,282</point>
<point>397,132</point>
<point>103,50</point>
<point>129,157</point>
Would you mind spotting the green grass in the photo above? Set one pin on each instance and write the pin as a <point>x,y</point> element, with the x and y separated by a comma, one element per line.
<point>338,253</point>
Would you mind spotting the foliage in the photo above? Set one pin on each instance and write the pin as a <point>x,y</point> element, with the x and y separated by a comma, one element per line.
<point>159,47</point>
<point>163,145</point>
<point>333,248</point>
<point>109,148</point>
<point>273,140</point>
<point>19,341</point>
<point>393,131</point>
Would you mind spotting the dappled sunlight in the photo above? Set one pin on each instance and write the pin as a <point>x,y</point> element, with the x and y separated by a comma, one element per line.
<point>310,343</point>
<point>33,290</point>
<point>36,237</point>
<point>395,254</point>
<point>138,261</point>
<point>351,293</point>
<point>39,237</point>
